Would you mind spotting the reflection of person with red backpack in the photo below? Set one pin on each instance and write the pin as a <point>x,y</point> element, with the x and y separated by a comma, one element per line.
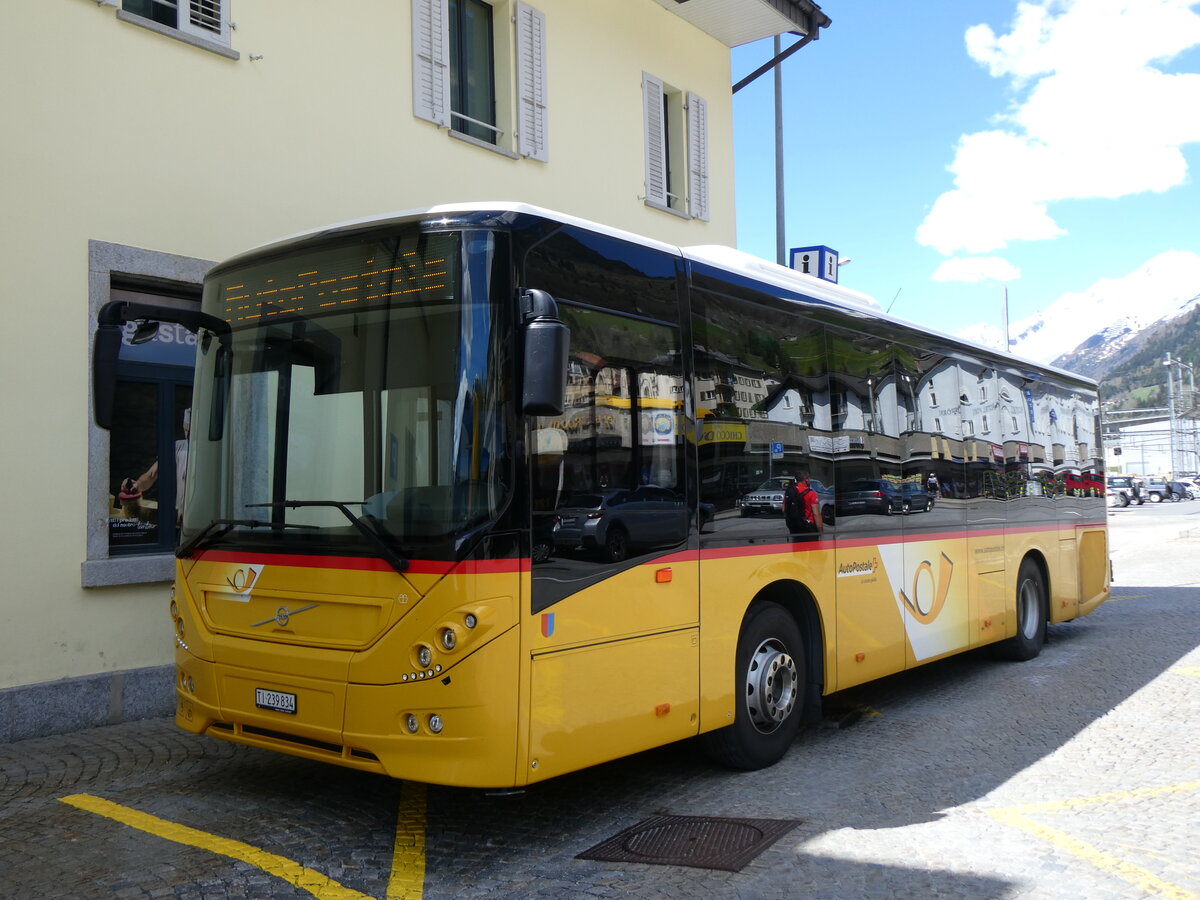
<point>802,508</point>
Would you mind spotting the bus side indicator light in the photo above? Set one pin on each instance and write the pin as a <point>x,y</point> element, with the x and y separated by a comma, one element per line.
<point>859,657</point>
<point>662,709</point>
<point>662,576</point>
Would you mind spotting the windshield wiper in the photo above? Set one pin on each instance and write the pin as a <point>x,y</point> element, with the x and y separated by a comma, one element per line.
<point>226,526</point>
<point>395,560</point>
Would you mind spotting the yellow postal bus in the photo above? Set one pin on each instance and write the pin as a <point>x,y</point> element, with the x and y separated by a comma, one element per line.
<point>468,497</point>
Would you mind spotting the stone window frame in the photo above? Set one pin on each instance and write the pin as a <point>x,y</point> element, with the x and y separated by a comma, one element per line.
<point>107,261</point>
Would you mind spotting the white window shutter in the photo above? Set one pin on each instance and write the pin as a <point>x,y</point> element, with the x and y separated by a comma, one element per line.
<point>656,140</point>
<point>697,124</point>
<point>205,18</point>
<point>431,61</point>
<point>531,82</point>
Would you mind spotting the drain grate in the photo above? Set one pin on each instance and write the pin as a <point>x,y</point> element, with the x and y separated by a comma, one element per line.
<point>703,842</point>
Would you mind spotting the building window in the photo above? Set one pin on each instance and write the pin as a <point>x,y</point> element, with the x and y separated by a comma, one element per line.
<point>480,80</point>
<point>472,70</point>
<point>205,20</point>
<point>676,135</point>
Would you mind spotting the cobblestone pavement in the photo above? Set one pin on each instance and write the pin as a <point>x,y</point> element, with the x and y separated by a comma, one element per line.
<point>1074,775</point>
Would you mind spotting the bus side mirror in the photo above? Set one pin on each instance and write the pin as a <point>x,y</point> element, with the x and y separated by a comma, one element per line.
<point>547,344</point>
<point>106,347</point>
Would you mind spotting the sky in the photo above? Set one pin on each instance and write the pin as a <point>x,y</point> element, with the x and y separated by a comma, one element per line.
<point>951,148</point>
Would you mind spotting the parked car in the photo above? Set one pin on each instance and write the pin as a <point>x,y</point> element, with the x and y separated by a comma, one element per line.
<point>1181,490</point>
<point>616,522</point>
<point>1157,491</point>
<point>916,498</point>
<point>869,495</point>
<point>768,497</point>
<point>1124,489</point>
<point>545,525</point>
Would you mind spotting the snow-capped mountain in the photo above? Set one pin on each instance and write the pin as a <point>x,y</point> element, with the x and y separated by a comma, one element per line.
<point>1092,331</point>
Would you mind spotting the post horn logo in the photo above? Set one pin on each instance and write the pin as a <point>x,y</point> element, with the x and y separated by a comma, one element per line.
<point>243,579</point>
<point>929,594</point>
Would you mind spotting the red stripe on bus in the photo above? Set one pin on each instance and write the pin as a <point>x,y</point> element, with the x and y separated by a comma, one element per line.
<point>365,563</point>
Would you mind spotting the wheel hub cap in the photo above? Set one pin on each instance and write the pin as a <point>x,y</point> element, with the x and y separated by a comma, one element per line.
<point>771,686</point>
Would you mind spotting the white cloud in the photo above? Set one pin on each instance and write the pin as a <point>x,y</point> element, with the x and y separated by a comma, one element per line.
<point>1094,118</point>
<point>977,268</point>
<point>1165,285</point>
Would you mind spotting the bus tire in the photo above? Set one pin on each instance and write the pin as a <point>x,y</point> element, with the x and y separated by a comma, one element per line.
<point>1031,615</point>
<point>769,692</point>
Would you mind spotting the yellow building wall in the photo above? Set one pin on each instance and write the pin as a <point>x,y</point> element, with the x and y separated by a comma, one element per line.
<point>115,133</point>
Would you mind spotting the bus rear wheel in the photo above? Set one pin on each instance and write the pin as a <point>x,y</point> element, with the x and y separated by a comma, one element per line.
<point>770,688</point>
<point>1031,615</point>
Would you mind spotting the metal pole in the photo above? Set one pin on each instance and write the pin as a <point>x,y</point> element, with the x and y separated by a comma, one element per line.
<point>1171,409</point>
<point>780,249</point>
<point>1004,320</point>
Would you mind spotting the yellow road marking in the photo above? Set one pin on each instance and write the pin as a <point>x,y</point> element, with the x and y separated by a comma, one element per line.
<point>1194,671</point>
<point>1112,797</point>
<point>407,881</point>
<point>321,886</point>
<point>1147,881</point>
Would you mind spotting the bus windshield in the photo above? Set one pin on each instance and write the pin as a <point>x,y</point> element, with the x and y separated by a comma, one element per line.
<point>356,407</point>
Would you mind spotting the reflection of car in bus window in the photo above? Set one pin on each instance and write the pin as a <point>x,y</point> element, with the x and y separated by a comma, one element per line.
<point>916,499</point>
<point>869,495</point>
<point>768,497</point>
<point>616,522</point>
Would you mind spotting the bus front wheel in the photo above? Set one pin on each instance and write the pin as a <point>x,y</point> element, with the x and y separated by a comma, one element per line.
<point>1031,614</point>
<point>769,686</point>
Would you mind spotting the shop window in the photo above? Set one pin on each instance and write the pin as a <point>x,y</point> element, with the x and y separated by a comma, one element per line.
<point>148,438</point>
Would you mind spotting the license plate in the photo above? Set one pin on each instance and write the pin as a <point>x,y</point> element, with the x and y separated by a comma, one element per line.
<point>276,700</point>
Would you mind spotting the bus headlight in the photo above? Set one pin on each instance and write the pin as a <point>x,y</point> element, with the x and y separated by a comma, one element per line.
<point>449,638</point>
<point>435,723</point>
<point>471,621</point>
<point>411,723</point>
<point>424,656</point>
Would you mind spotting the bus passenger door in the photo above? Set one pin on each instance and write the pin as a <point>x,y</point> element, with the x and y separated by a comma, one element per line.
<point>612,634</point>
<point>868,504</point>
<point>937,452</point>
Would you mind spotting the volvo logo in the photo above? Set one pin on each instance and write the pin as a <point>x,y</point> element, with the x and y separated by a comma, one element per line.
<point>283,615</point>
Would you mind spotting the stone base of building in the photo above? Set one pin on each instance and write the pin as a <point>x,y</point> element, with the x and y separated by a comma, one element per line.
<point>59,707</point>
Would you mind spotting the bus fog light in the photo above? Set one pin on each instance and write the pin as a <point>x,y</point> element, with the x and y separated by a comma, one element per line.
<point>191,685</point>
<point>449,639</point>
<point>435,723</point>
<point>411,723</point>
<point>471,621</point>
<point>424,656</point>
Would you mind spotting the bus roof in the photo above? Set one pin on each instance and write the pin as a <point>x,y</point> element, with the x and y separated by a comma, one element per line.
<point>733,261</point>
